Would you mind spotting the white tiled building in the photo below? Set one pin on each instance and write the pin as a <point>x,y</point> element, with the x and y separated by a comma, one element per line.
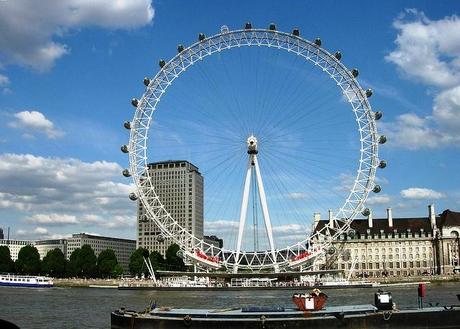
<point>179,185</point>
<point>123,248</point>
<point>15,246</point>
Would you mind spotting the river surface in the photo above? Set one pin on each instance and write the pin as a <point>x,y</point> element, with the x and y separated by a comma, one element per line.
<point>90,307</point>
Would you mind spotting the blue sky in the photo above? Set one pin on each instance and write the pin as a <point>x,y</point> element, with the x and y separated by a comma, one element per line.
<point>68,71</point>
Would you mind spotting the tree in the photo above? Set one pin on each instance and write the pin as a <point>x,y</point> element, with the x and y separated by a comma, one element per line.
<point>6,263</point>
<point>118,271</point>
<point>106,263</point>
<point>157,260</point>
<point>74,266</point>
<point>136,262</point>
<point>28,261</point>
<point>54,263</point>
<point>88,262</point>
<point>173,261</point>
<point>83,262</point>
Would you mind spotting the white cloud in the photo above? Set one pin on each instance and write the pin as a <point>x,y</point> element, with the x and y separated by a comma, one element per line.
<point>40,231</point>
<point>297,196</point>
<point>413,132</point>
<point>378,199</point>
<point>52,218</point>
<point>428,51</point>
<point>418,193</point>
<point>4,80</point>
<point>35,121</point>
<point>31,30</point>
<point>65,191</point>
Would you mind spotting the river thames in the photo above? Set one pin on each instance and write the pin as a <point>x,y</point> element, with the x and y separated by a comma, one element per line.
<point>90,307</point>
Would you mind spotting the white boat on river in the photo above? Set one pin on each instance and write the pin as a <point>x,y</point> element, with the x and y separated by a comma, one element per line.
<point>12,280</point>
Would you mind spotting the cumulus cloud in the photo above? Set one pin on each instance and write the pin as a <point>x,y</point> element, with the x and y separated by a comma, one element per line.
<point>65,191</point>
<point>34,121</point>
<point>379,199</point>
<point>4,80</point>
<point>289,233</point>
<point>30,31</point>
<point>417,193</point>
<point>429,52</point>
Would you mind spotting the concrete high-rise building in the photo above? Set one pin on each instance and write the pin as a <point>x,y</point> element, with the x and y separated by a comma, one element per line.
<point>1,234</point>
<point>15,246</point>
<point>179,185</point>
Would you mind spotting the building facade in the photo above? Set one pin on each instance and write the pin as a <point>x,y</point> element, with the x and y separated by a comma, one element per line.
<point>123,248</point>
<point>179,186</point>
<point>396,246</point>
<point>44,246</point>
<point>15,246</point>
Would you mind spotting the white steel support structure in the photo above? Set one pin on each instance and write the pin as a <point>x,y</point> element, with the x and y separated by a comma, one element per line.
<point>253,165</point>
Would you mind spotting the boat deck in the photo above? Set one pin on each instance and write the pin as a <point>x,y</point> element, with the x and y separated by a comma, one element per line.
<point>257,312</point>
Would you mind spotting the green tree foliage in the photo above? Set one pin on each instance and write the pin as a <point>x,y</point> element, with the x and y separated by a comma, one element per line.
<point>157,260</point>
<point>28,261</point>
<point>6,264</point>
<point>173,261</point>
<point>54,263</point>
<point>106,263</point>
<point>118,271</point>
<point>88,262</point>
<point>83,262</point>
<point>74,267</point>
<point>136,262</point>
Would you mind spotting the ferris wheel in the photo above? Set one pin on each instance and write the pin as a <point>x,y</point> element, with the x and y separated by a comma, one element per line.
<point>254,146</point>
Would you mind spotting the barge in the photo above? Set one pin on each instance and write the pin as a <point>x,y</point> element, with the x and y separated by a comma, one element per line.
<point>368,316</point>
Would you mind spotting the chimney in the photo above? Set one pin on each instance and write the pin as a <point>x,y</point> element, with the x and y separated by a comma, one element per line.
<point>390,217</point>
<point>316,218</point>
<point>331,221</point>
<point>432,216</point>
<point>369,218</point>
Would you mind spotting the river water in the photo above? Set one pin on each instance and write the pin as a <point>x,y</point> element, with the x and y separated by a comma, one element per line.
<point>90,307</point>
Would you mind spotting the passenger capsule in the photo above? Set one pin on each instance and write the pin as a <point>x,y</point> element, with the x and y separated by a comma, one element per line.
<point>331,250</point>
<point>351,233</point>
<point>180,254</point>
<point>369,93</point>
<point>180,48</point>
<point>296,32</point>
<point>201,37</point>
<point>126,173</point>
<point>132,196</point>
<point>272,27</point>
<point>382,164</point>
<point>160,238</point>
<point>134,102</point>
<point>162,63</point>
<point>382,139</point>
<point>376,189</point>
<point>366,212</point>
<point>338,55</point>
<point>318,42</point>
<point>124,148</point>
<point>378,115</point>
<point>248,26</point>
<point>355,73</point>
<point>127,125</point>
<point>146,81</point>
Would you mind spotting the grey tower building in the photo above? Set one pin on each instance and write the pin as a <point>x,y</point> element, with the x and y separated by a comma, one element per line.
<point>179,185</point>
